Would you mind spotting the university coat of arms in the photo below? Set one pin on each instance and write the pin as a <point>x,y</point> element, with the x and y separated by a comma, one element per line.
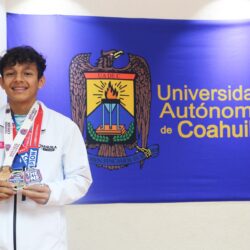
<point>112,107</point>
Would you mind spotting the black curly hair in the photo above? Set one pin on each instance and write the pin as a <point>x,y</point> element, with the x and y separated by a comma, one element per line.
<point>23,54</point>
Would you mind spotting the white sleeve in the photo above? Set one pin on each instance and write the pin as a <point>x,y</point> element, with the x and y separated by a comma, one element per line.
<point>76,170</point>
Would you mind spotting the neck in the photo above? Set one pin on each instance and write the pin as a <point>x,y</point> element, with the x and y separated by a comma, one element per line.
<point>21,109</point>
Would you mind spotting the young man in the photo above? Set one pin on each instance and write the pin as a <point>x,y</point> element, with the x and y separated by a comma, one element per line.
<point>43,159</point>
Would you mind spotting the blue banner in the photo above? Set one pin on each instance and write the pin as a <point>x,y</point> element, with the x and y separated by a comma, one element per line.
<point>163,105</point>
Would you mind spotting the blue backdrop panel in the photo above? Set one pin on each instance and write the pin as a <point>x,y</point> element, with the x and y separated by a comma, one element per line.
<point>199,113</point>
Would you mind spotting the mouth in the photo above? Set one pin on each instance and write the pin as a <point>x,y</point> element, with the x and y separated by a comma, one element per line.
<point>19,89</point>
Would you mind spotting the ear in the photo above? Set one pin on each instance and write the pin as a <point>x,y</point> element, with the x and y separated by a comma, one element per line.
<point>41,82</point>
<point>1,82</point>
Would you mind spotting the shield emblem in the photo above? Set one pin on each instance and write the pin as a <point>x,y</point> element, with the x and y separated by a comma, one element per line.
<point>110,108</point>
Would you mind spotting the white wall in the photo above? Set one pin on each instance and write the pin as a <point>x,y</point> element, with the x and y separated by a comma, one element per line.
<point>173,9</point>
<point>172,226</point>
<point>2,26</point>
<point>3,42</point>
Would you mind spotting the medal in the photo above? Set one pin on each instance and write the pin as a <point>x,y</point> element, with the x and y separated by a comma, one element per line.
<point>32,176</point>
<point>5,172</point>
<point>17,178</point>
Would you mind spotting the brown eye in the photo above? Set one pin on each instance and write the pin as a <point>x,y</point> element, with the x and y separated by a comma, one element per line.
<point>9,74</point>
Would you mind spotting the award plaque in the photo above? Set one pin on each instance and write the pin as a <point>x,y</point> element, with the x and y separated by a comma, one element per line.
<point>5,173</point>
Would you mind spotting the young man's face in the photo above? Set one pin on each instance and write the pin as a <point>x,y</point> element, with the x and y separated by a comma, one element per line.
<point>21,83</point>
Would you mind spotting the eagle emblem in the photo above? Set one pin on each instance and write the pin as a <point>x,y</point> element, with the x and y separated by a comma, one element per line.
<point>111,106</point>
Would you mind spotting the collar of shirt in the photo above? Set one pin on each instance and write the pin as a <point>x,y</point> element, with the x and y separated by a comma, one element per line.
<point>45,116</point>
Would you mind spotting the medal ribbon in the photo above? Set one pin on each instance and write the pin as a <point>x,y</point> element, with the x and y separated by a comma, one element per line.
<point>25,139</point>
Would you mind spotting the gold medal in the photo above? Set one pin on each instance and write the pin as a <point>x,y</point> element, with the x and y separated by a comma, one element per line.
<point>5,173</point>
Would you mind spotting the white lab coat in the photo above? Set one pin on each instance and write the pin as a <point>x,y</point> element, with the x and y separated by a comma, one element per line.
<point>64,167</point>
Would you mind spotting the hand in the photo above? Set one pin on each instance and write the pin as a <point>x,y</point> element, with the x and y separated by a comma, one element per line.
<point>39,193</point>
<point>6,190</point>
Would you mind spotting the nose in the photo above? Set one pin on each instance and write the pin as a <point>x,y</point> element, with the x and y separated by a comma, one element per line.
<point>19,77</point>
